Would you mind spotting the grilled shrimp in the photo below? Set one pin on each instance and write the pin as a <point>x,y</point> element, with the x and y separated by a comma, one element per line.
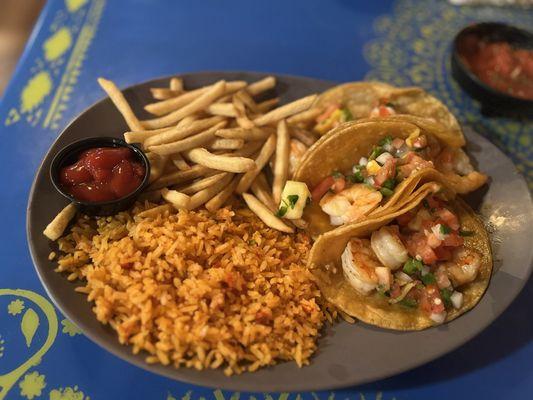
<point>388,248</point>
<point>351,204</point>
<point>464,266</point>
<point>361,267</point>
<point>296,152</point>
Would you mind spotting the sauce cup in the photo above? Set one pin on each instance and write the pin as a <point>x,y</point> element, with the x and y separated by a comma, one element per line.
<point>69,155</point>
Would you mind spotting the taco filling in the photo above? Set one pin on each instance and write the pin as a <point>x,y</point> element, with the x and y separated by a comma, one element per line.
<point>418,261</point>
<point>351,195</point>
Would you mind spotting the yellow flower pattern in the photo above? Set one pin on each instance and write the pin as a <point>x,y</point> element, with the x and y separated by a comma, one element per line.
<point>15,307</point>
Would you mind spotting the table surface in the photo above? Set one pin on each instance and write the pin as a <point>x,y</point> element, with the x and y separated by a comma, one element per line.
<point>406,42</point>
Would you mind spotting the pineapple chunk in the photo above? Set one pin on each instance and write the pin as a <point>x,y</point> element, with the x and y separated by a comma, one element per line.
<point>410,140</point>
<point>293,200</point>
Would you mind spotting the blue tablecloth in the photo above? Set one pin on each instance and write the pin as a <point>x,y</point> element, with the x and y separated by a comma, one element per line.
<point>43,355</point>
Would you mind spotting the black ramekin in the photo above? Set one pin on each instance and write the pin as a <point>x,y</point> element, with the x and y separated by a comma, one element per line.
<point>69,155</point>
<point>492,100</point>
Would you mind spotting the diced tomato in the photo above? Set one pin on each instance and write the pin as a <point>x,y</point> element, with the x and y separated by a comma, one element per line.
<point>339,184</point>
<point>329,110</point>
<point>384,111</point>
<point>433,241</point>
<point>397,143</point>
<point>387,171</point>
<point>449,218</point>
<point>321,189</point>
<point>395,290</point>
<point>443,253</point>
<point>404,219</point>
<point>434,202</point>
<point>417,246</point>
<point>435,301</point>
<point>453,240</point>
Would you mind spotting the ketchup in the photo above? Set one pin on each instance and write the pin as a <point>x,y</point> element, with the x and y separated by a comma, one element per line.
<point>102,174</point>
<point>507,69</point>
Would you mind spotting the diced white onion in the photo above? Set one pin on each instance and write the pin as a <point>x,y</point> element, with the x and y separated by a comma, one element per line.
<point>438,318</point>
<point>336,220</point>
<point>363,161</point>
<point>388,147</point>
<point>383,157</point>
<point>457,299</point>
<point>424,270</point>
<point>370,180</point>
<point>402,276</point>
<point>437,232</point>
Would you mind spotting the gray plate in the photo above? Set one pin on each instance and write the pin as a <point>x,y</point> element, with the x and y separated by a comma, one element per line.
<point>348,354</point>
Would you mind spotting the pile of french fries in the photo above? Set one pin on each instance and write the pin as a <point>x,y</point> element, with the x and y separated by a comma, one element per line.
<point>209,144</point>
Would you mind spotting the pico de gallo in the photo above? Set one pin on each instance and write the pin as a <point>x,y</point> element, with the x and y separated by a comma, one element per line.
<point>351,195</point>
<point>419,261</point>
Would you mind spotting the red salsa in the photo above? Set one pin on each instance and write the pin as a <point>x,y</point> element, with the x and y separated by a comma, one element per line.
<point>102,174</point>
<point>499,65</point>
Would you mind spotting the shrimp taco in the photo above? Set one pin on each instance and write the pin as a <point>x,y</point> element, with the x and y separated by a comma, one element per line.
<point>369,168</point>
<point>424,265</point>
<point>356,100</point>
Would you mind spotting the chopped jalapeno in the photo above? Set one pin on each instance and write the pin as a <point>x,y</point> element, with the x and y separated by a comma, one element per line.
<point>412,266</point>
<point>385,141</point>
<point>293,198</point>
<point>376,151</point>
<point>444,229</point>
<point>336,174</point>
<point>346,115</point>
<point>409,303</point>
<point>425,203</point>
<point>389,184</point>
<point>389,104</point>
<point>428,279</point>
<point>252,242</point>
<point>386,192</point>
<point>466,233</point>
<point>446,295</point>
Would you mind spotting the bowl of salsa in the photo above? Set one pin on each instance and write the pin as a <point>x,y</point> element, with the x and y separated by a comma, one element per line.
<point>101,175</point>
<point>493,62</point>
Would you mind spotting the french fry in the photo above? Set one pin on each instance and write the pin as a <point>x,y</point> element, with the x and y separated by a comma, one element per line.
<point>141,136</point>
<point>177,199</point>
<point>154,212</point>
<point>247,150</point>
<point>200,103</point>
<point>202,184</point>
<point>223,109</point>
<point>222,163</point>
<point>247,100</point>
<point>167,106</point>
<point>262,159</point>
<point>54,230</point>
<point>267,105</point>
<point>242,119</point>
<point>157,165</point>
<point>219,199</point>
<point>186,121</point>
<point>265,214</point>
<point>179,177</point>
<point>179,162</point>
<point>304,116</point>
<point>183,131</point>
<point>261,190</point>
<point>261,86</point>
<point>303,135</point>
<point>122,105</point>
<point>281,163</point>
<point>284,111</point>
<point>163,93</point>
<point>246,134</point>
<point>189,143</point>
<point>226,144</point>
<point>207,194</point>
<point>176,84</point>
